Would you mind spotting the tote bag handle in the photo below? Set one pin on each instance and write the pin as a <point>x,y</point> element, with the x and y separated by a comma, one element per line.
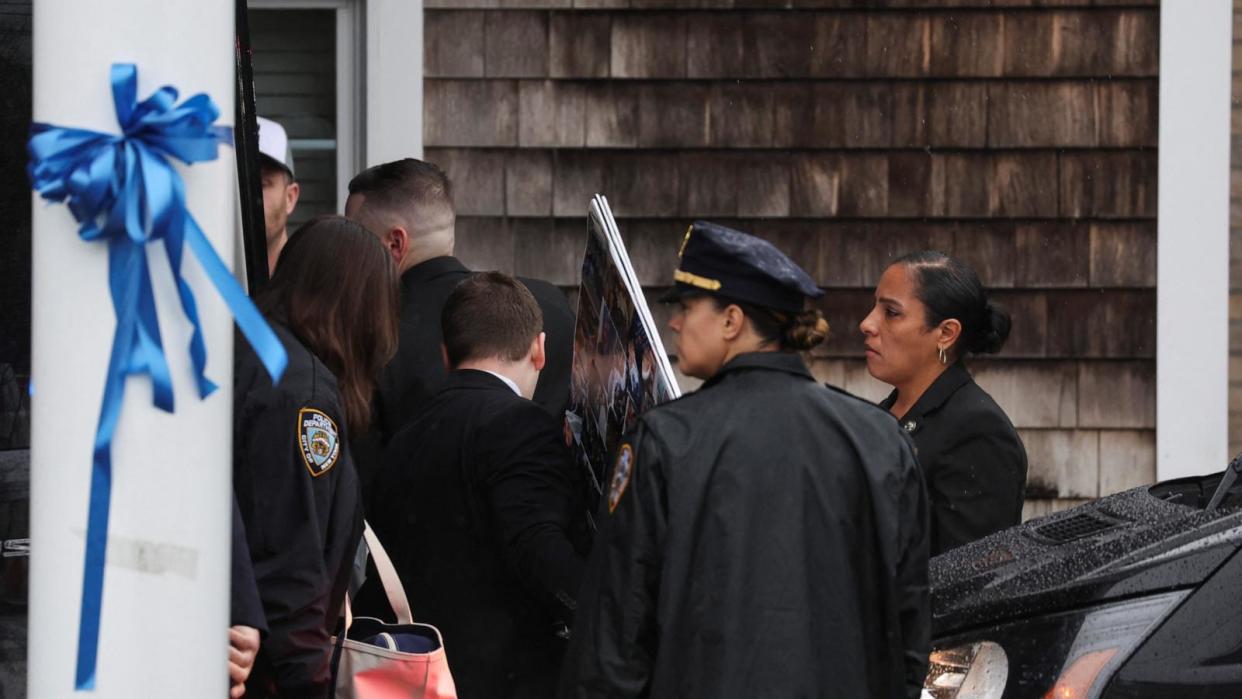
<point>391,583</point>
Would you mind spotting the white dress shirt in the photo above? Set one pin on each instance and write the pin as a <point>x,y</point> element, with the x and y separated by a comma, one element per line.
<point>508,381</point>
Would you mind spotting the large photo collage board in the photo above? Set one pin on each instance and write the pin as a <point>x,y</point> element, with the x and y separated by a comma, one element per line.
<point>620,367</point>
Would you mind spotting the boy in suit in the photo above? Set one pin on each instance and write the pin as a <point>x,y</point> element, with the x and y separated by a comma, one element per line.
<point>479,503</point>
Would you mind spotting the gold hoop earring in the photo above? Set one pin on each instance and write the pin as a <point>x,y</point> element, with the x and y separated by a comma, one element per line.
<point>944,358</point>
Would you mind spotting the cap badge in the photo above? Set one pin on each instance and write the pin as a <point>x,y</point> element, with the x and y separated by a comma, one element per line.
<point>684,241</point>
<point>695,280</point>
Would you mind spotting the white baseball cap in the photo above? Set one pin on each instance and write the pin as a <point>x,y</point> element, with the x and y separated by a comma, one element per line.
<point>274,143</point>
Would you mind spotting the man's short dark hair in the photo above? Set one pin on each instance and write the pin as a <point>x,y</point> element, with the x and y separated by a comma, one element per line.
<point>269,164</point>
<point>490,314</point>
<point>404,183</point>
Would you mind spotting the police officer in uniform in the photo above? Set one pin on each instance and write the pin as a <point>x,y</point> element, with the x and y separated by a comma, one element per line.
<point>333,304</point>
<point>765,536</point>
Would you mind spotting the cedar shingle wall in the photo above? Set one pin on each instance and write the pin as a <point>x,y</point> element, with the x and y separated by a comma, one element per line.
<point>1020,138</point>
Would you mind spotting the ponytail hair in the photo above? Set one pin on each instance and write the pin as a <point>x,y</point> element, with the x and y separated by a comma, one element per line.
<point>805,330</point>
<point>799,331</point>
<point>950,288</point>
<point>992,334</point>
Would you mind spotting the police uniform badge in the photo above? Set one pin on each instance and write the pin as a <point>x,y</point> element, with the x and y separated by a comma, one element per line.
<point>620,476</point>
<point>317,438</point>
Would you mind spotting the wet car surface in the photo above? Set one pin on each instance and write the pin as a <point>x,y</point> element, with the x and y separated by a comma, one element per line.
<point>1134,595</point>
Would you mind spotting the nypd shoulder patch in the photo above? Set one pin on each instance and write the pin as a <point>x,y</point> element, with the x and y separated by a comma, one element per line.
<point>620,476</point>
<point>317,440</point>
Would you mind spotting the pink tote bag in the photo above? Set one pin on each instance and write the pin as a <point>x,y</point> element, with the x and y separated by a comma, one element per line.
<point>378,660</point>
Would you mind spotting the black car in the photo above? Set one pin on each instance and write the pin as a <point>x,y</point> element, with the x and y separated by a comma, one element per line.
<point>1134,595</point>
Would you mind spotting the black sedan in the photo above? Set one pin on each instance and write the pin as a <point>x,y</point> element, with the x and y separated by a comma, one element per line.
<point>1134,595</point>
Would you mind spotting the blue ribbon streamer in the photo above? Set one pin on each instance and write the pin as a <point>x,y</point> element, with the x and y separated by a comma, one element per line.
<point>123,190</point>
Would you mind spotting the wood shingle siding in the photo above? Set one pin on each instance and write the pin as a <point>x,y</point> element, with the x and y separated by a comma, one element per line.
<point>778,4</point>
<point>1079,114</point>
<point>1017,135</point>
<point>453,45</point>
<point>989,184</point>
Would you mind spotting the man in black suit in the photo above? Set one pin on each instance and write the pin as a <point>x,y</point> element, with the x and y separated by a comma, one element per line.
<point>409,205</point>
<point>479,503</point>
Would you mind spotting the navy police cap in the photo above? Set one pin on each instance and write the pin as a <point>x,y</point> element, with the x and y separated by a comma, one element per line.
<point>724,262</point>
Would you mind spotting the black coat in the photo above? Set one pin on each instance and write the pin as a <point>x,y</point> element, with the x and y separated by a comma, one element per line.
<point>480,508</point>
<point>972,458</point>
<point>245,607</point>
<point>765,536</point>
<point>297,493</point>
<point>417,371</point>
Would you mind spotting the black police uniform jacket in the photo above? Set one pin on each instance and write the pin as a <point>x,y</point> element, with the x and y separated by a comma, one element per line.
<point>764,536</point>
<point>245,607</point>
<point>483,513</point>
<point>297,493</point>
<point>972,458</point>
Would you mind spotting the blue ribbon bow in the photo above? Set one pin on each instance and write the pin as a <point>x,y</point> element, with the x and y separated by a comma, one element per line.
<point>123,190</point>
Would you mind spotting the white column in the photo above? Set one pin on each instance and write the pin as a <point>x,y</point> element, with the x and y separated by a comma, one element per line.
<point>1192,282</point>
<point>166,586</point>
<point>394,80</point>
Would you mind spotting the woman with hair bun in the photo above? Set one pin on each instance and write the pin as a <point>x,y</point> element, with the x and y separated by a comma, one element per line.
<point>760,524</point>
<point>930,312</point>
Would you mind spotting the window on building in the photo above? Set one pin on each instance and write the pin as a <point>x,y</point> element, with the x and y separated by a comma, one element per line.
<point>302,55</point>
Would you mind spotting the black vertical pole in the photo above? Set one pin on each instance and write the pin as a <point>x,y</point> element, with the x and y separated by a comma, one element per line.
<point>246,147</point>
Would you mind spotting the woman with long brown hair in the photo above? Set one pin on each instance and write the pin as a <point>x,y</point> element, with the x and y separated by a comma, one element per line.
<point>333,303</point>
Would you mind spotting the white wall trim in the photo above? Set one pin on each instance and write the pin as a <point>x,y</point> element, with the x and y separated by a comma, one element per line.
<point>1192,280</point>
<point>350,83</point>
<point>394,84</point>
